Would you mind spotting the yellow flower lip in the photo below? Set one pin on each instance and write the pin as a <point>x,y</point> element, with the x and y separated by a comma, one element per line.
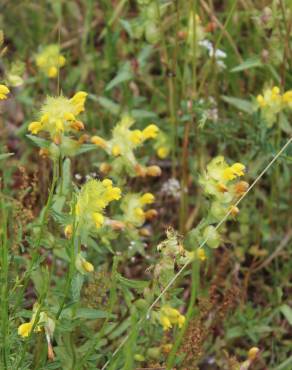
<point>150,132</point>
<point>4,91</point>
<point>24,330</point>
<point>35,127</point>
<point>88,267</point>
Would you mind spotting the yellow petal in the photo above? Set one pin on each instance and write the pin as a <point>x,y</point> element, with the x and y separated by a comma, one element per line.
<point>25,329</point>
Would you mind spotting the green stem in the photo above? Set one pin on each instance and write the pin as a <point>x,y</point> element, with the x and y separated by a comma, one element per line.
<point>189,315</point>
<point>75,241</point>
<point>4,287</point>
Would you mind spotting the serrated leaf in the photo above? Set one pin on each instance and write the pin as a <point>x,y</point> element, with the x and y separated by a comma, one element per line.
<point>248,64</point>
<point>241,104</point>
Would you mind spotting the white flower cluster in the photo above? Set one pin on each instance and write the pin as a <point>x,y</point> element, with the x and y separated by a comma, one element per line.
<point>218,53</point>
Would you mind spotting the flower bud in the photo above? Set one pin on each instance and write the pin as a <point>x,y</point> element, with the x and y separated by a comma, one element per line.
<point>140,171</point>
<point>83,139</point>
<point>153,171</point>
<point>144,232</point>
<point>44,152</point>
<point>151,214</point>
<point>138,357</point>
<point>99,141</point>
<point>68,231</point>
<point>154,352</point>
<point>241,187</point>
<point>105,168</point>
<point>252,353</point>
<point>234,211</point>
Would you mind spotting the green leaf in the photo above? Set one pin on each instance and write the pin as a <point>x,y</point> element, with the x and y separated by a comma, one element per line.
<point>287,312</point>
<point>76,286</point>
<point>247,64</point>
<point>140,114</point>
<point>241,104</point>
<point>121,77</point>
<point>42,143</point>
<point>86,148</point>
<point>134,284</point>
<point>5,155</point>
<point>107,104</point>
<point>91,314</point>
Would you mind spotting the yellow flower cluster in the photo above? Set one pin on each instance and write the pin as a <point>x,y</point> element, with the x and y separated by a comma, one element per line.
<point>124,140</point>
<point>93,197</point>
<point>44,320</point>
<point>4,91</point>
<point>49,60</point>
<point>218,182</point>
<point>169,316</point>
<point>272,102</point>
<point>133,208</point>
<point>58,116</point>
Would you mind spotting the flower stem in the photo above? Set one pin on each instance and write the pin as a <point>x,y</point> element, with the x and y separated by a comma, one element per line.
<point>189,315</point>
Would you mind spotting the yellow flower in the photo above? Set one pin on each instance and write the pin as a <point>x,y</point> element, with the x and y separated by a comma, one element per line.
<point>52,72</point>
<point>180,321</point>
<point>136,136</point>
<point>88,267</point>
<point>201,254</point>
<point>35,127</point>
<point>169,316</point>
<point>93,197</point>
<point>150,132</point>
<point>4,91</point>
<point>147,198</point>
<point>287,97</point>
<point>116,150</point>
<point>139,212</point>
<point>98,219</point>
<point>228,174</point>
<point>238,169</point>
<point>165,322</point>
<point>162,152</point>
<point>49,60</point>
<point>25,329</point>
<point>261,101</point>
<point>58,116</point>
<point>78,101</point>
<point>82,265</point>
